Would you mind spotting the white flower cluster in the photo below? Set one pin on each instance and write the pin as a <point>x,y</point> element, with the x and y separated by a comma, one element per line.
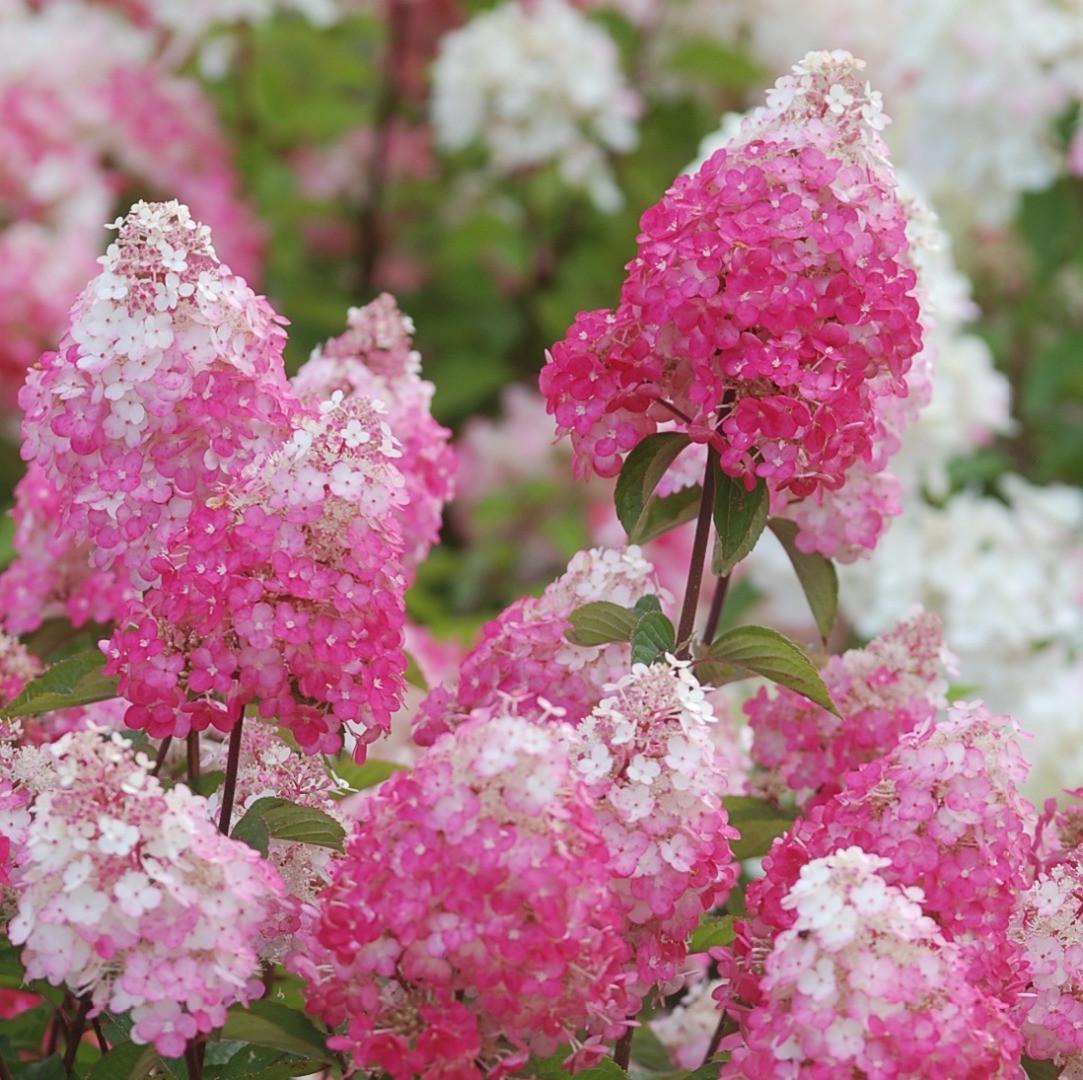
<point>536,83</point>
<point>974,86</point>
<point>1007,579</point>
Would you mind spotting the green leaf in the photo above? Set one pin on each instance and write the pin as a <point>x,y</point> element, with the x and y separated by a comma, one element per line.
<point>369,773</point>
<point>739,518</point>
<point>648,1051</point>
<point>665,512</point>
<point>816,574</point>
<point>52,1068</point>
<point>713,930</point>
<point>606,1069</point>
<point>414,675</point>
<point>642,470</point>
<point>962,692</point>
<point>252,830</point>
<point>285,820</point>
<point>758,822</point>
<point>747,651</point>
<point>601,622</point>
<point>266,1023</point>
<point>126,1061</point>
<point>650,602</point>
<point>75,680</point>
<point>652,637</point>
<point>207,783</point>
<point>1040,1070</point>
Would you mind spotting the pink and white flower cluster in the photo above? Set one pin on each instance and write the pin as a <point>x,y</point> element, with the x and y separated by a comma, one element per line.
<point>894,685</point>
<point>649,760</point>
<point>470,921</point>
<point>523,658</point>
<point>862,982</point>
<point>771,302</point>
<point>127,893</point>
<point>249,542</point>
<point>87,112</point>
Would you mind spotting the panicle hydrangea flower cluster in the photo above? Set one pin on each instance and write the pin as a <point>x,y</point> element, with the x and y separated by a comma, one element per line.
<point>971,560</point>
<point>523,658</point>
<point>1046,925</point>
<point>770,304</point>
<point>51,576</point>
<point>863,983</point>
<point>284,588</point>
<point>169,377</point>
<point>649,761</point>
<point>129,894</point>
<point>470,921</point>
<point>943,807</point>
<point>87,109</point>
<point>973,139</point>
<point>375,359</point>
<point>536,83</point>
<point>893,685</point>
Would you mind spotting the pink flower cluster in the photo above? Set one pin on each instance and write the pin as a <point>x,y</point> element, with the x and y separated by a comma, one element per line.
<point>168,378</point>
<point>649,761</point>
<point>523,657</point>
<point>943,807</point>
<point>770,303</point>
<point>375,359</point>
<point>88,112</point>
<point>128,893</point>
<point>470,922</point>
<point>248,543</point>
<point>1047,927</point>
<point>863,983</point>
<point>286,589</point>
<point>17,667</point>
<point>891,686</point>
<point>51,576</point>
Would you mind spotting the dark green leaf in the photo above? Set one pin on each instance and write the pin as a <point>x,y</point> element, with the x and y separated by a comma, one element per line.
<point>252,830</point>
<point>267,1023</point>
<point>208,782</point>
<point>652,637</point>
<point>126,1061</point>
<point>642,470</point>
<point>285,820</point>
<point>816,574</point>
<point>601,622</point>
<point>648,1051</point>
<point>75,680</point>
<point>713,930</point>
<point>739,518</point>
<point>758,650</point>
<point>758,822</point>
<point>52,1068</point>
<point>665,512</point>
<point>650,602</point>
<point>369,773</point>
<point>1040,1070</point>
